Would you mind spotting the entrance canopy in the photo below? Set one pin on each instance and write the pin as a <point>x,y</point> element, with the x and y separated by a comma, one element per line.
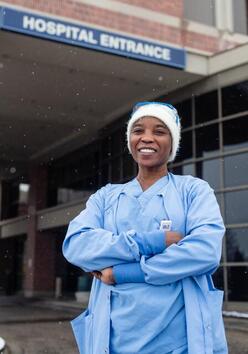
<point>55,97</point>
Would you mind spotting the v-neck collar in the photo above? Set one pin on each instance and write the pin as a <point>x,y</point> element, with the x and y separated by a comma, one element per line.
<point>133,188</point>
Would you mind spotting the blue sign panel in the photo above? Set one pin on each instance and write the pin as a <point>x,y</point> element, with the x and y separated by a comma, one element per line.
<point>88,37</point>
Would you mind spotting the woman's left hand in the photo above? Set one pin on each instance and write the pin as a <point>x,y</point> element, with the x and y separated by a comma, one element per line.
<point>105,275</point>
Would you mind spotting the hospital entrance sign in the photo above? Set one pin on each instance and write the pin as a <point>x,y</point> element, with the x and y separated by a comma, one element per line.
<point>88,37</point>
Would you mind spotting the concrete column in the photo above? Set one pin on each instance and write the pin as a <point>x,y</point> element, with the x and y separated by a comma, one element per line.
<point>39,263</point>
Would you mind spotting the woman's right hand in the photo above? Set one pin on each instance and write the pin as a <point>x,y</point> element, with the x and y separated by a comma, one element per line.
<point>172,237</point>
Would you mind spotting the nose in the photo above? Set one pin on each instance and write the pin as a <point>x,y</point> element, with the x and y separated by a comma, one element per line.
<point>147,137</point>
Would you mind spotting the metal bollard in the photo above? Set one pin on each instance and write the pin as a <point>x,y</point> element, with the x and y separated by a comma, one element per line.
<point>2,345</point>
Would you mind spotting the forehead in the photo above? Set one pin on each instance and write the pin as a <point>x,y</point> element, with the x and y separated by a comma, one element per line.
<point>149,121</point>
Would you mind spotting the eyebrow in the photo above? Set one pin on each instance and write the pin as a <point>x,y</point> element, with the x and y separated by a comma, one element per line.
<point>156,126</point>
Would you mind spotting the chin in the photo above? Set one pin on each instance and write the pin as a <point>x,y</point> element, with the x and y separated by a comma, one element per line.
<point>151,165</point>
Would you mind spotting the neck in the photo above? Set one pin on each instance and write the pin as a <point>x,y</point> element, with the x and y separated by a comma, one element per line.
<point>148,176</point>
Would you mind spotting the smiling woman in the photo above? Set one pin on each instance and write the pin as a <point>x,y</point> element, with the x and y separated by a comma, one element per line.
<point>152,245</point>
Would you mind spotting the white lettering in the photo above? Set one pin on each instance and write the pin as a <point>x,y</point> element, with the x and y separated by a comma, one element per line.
<point>123,43</point>
<point>61,29</point>
<point>114,42</point>
<point>130,46</point>
<point>51,28</point>
<point>166,54</point>
<point>74,31</point>
<point>104,40</point>
<point>28,22</point>
<point>40,25</point>
<point>149,50</point>
<point>158,52</point>
<point>140,49</point>
<point>87,37</point>
<point>92,40</point>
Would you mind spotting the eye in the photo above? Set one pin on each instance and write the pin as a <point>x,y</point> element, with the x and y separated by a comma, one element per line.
<point>161,132</point>
<point>137,131</point>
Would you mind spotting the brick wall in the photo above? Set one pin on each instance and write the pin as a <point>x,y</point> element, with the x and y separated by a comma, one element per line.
<point>168,7</point>
<point>132,24</point>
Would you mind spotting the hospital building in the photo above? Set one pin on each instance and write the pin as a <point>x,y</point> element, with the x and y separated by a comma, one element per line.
<point>70,73</point>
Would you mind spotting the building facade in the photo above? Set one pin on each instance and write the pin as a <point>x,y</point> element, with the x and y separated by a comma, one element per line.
<point>70,74</point>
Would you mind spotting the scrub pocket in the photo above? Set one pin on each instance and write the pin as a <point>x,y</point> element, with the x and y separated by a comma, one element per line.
<point>83,330</point>
<point>218,332</point>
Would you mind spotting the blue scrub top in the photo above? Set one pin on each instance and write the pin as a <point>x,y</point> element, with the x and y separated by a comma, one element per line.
<point>147,273</point>
<point>138,307</point>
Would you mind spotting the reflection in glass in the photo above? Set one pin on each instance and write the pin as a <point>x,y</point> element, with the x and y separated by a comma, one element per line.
<point>234,98</point>
<point>206,107</point>
<point>207,140</point>
<point>235,133</point>
<point>209,170</point>
<point>236,206</point>
<point>189,169</point>
<point>237,283</point>
<point>185,113</point>
<point>236,170</point>
<point>218,278</point>
<point>218,198</point>
<point>65,195</point>
<point>186,147</point>
<point>237,245</point>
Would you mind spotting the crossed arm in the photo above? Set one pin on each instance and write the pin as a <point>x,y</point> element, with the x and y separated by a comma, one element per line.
<point>160,257</point>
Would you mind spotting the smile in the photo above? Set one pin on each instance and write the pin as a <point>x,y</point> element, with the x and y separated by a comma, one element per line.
<point>147,150</point>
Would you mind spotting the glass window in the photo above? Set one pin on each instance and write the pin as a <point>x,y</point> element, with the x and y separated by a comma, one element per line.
<point>218,278</point>
<point>189,169</point>
<point>209,170</point>
<point>128,166</point>
<point>237,245</point>
<point>104,174</point>
<point>66,195</point>
<point>235,133</point>
<point>236,170</point>
<point>105,148</point>
<point>185,113</point>
<point>236,206</point>
<point>206,107</point>
<point>116,170</point>
<point>207,140</point>
<point>186,147</point>
<point>218,198</point>
<point>234,98</point>
<point>200,11</point>
<point>240,16</point>
<point>177,170</point>
<point>23,192</point>
<point>237,283</point>
<point>116,143</point>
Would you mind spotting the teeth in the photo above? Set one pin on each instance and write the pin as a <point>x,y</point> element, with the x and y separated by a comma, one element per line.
<point>147,150</point>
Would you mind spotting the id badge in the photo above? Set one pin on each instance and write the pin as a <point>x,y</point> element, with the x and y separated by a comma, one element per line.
<point>165,225</point>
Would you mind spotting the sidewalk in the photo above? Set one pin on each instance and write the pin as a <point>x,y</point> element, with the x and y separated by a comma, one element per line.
<point>43,326</point>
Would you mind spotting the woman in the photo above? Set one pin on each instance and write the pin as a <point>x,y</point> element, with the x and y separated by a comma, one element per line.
<point>152,245</point>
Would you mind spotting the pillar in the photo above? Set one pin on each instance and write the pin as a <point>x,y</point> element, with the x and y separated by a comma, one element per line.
<point>39,263</point>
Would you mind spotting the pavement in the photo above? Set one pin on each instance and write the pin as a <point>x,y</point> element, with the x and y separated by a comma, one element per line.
<point>43,326</point>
